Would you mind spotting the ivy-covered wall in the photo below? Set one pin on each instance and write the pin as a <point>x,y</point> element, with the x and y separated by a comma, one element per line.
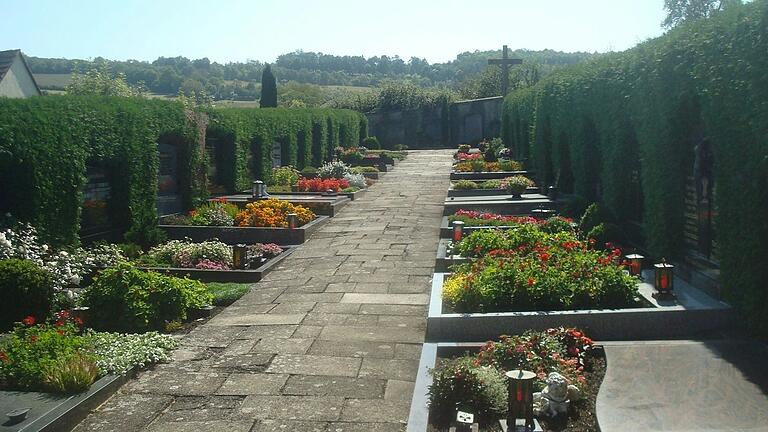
<point>307,138</point>
<point>592,126</point>
<point>46,143</point>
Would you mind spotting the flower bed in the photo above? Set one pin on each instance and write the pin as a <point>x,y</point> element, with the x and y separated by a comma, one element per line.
<point>536,266</point>
<point>211,261</point>
<point>62,357</point>
<point>470,377</point>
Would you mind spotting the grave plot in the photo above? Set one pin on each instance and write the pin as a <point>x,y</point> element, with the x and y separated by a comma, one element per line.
<point>480,386</point>
<point>213,261</point>
<point>324,190</point>
<point>263,221</point>
<point>490,161</point>
<point>537,273</point>
<point>470,188</point>
<point>501,204</point>
<point>324,204</point>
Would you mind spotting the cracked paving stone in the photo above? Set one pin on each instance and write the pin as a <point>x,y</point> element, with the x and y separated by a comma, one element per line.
<point>319,408</point>
<point>253,384</point>
<point>314,365</point>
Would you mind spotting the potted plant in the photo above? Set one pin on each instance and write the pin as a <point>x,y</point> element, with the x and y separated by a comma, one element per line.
<point>516,185</point>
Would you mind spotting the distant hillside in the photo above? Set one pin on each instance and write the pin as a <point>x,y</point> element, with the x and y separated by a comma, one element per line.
<point>239,81</point>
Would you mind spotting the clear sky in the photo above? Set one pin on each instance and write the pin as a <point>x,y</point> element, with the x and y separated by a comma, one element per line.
<point>240,30</point>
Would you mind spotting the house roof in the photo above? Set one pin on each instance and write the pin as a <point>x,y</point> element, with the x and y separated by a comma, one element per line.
<point>6,61</point>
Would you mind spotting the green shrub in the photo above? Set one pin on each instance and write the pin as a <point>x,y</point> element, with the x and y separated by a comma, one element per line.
<point>465,185</point>
<point>365,169</point>
<point>510,165</point>
<point>71,374</point>
<point>214,213</point>
<point>371,142</point>
<point>126,299</point>
<point>25,289</point>
<point>309,170</point>
<point>284,176</point>
<point>461,384</point>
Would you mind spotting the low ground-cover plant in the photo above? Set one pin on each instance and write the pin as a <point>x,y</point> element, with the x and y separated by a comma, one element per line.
<point>475,383</point>
<point>465,185</point>
<point>124,298</point>
<point>272,213</point>
<point>477,218</point>
<point>490,184</point>
<point>364,169</point>
<point>355,181</point>
<point>224,294</point>
<point>117,353</point>
<point>322,185</point>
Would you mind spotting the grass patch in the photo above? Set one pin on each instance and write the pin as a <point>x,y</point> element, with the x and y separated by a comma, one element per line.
<point>224,294</point>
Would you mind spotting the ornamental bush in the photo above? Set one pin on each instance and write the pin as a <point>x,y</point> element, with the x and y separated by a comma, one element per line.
<point>210,254</point>
<point>334,169</point>
<point>25,289</point>
<point>284,176</point>
<point>272,213</point>
<point>124,298</point>
<point>371,142</point>
<point>214,213</point>
<point>465,185</point>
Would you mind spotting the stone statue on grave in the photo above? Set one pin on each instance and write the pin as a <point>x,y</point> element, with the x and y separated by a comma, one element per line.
<point>554,399</point>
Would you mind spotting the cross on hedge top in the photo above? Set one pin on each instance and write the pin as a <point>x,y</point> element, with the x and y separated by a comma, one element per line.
<point>505,63</point>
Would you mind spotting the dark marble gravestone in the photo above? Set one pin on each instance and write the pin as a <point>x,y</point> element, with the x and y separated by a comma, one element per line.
<point>277,155</point>
<point>168,196</point>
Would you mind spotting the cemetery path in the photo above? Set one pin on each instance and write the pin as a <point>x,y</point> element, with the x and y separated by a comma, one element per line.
<point>684,386</point>
<point>328,341</point>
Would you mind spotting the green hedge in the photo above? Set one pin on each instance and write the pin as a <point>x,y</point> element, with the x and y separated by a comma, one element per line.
<point>47,142</point>
<point>307,137</point>
<point>642,110</point>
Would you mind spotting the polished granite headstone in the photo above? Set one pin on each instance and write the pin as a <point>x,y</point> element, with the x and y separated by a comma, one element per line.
<point>684,386</point>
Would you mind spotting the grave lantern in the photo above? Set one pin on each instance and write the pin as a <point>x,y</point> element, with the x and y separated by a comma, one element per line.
<point>458,230</point>
<point>663,279</point>
<point>635,264</point>
<point>552,193</point>
<point>293,220</point>
<point>520,388</point>
<point>258,190</point>
<point>239,256</point>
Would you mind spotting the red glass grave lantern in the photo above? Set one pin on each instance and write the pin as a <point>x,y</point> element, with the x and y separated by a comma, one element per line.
<point>520,388</point>
<point>635,264</point>
<point>458,230</point>
<point>664,278</point>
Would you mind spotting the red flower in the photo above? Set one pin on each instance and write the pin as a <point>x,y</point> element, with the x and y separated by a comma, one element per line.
<point>4,357</point>
<point>531,281</point>
<point>79,321</point>
<point>29,321</point>
<point>60,332</point>
<point>33,338</point>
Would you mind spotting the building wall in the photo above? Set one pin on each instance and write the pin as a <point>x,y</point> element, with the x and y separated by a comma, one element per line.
<point>444,126</point>
<point>17,82</point>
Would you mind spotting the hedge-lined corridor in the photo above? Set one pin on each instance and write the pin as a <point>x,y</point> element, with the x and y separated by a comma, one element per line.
<point>632,130</point>
<point>50,145</point>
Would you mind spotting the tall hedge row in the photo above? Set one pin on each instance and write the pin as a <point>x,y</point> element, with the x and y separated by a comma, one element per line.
<point>46,144</point>
<point>306,137</point>
<point>589,127</point>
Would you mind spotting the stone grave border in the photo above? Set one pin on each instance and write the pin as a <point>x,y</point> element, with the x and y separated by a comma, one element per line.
<point>247,235</point>
<point>239,276</point>
<point>699,314</point>
<point>487,175</point>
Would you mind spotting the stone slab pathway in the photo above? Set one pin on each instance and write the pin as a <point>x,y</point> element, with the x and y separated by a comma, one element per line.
<point>328,342</point>
<point>684,386</point>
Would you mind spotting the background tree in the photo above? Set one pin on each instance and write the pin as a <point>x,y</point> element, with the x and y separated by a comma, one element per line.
<point>679,11</point>
<point>268,89</point>
<point>99,81</point>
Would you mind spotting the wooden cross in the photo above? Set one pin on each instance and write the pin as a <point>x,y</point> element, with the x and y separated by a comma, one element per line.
<point>505,63</point>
